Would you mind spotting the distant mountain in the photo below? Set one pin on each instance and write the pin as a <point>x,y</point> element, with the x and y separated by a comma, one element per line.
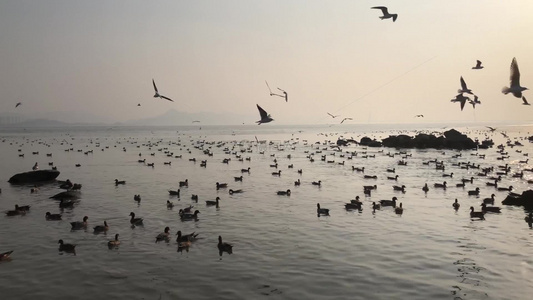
<point>174,117</point>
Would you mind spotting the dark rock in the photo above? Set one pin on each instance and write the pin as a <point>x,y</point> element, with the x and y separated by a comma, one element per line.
<point>452,139</point>
<point>34,176</point>
<point>525,199</point>
<point>365,141</point>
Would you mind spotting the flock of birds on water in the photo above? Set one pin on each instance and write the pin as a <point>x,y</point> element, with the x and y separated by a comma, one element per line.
<point>184,241</point>
<point>491,174</point>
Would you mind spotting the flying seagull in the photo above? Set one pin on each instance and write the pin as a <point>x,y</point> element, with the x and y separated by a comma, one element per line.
<point>419,116</point>
<point>157,95</point>
<point>333,116</point>
<point>18,104</point>
<point>386,14</point>
<point>265,117</point>
<point>474,102</point>
<point>273,94</point>
<point>478,65</point>
<point>286,96</point>
<point>492,129</point>
<point>462,99</point>
<point>464,88</point>
<point>515,88</point>
<point>346,119</point>
<point>525,101</point>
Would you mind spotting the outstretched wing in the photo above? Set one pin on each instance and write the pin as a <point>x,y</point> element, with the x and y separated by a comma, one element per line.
<point>166,98</point>
<point>463,84</point>
<point>262,112</point>
<point>478,64</point>
<point>269,88</point>
<point>331,115</point>
<point>383,9</point>
<point>155,87</point>
<point>515,73</point>
<point>525,101</point>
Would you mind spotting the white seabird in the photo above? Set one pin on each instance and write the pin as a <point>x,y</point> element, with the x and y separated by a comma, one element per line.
<point>464,88</point>
<point>515,87</point>
<point>265,117</point>
<point>157,95</point>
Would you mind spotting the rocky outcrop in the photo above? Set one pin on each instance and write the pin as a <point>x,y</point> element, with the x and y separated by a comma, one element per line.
<point>366,141</point>
<point>452,139</point>
<point>525,199</point>
<point>34,176</point>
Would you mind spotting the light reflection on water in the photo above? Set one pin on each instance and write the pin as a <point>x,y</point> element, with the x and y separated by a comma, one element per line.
<point>281,249</point>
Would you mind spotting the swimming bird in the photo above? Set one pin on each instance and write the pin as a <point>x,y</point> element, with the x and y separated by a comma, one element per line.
<point>297,182</point>
<point>425,188</point>
<point>265,117</point>
<point>515,87</point>
<point>476,214</point>
<point>489,200</point>
<point>478,65</point>
<point>157,95</point>
<point>224,247</point>
<point>117,182</point>
<point>184,183</point>
<point>376,206</point>
<point>211,202</point>
<point>221,185</point>
<point>399,188</point>
<point>505,189</point>
<point>163,236</point>
<point>353,205</point>
<point>392,178</point>
<point>135,221</point>
<point>170,204</point>
<point>284,193</point>
<point>493,209</point>
<point>22,208</point>
<point>464,88</point>
<point>5,255</point>
<point>113,243</point>
<point>187,237</point>
<point>399,210</point>
<point>389,202</point>
<point>138,104</point>
<point>456,205</point>
<point>321,211</point>
<point>231,192</point>
<point>474,192</point>
<point>318,183</point>
<point>18,104</point>
<point>525,101</point>
<point>386,14</point>
<point>79,225</point>
<point>66,247</point>
<point>439,185</point>
<point>52,217</point>
<point>174,193</point>
<point>100,228</point>
<point>186,217</point>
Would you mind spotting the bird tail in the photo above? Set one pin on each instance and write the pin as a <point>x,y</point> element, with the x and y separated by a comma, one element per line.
<point>506,90</point>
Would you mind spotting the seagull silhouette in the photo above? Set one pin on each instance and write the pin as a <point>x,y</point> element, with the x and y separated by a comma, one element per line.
<point>346,119</point>
<point>464,88</point>
<point>515,87</point>
<point>273,94</point>
<point>525,101</point>
<point>265,117</point>
<point>286,96</point>
<point>462,99</point>
<point>157,95</point>
<point>474,102</point>
<point>478,65</point>
<point>386,14</point>
<point>419,116</point>
<point>492,129</point>
<point>333,116</point>
<point>18,104</point>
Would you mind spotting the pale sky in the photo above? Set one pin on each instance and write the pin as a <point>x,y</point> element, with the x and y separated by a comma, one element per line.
<point>99,57</point>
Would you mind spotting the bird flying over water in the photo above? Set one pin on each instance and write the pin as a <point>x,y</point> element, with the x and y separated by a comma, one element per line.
<point>525,101</point>
<point>157,95</point>
<point>18,104</point>
<point>478,65</point>
<point>515,87</point>
<point>474,102</point>
<point>346,119</point>
<point>386,14</point>
<point>274,94</point>
<point>286,96</point>
<point>492,129</point>
<point>333,116</point>
<point>265,117</point>
<point>464,88</point>
<point>462,99</point>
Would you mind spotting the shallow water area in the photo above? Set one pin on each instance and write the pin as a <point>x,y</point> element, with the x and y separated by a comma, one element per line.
<point>282,249</point>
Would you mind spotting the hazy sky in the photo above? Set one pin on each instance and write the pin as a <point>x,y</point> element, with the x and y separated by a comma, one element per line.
<point>100,56</point>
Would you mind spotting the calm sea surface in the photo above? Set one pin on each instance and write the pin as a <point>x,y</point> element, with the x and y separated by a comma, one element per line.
<point>282,250</point>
